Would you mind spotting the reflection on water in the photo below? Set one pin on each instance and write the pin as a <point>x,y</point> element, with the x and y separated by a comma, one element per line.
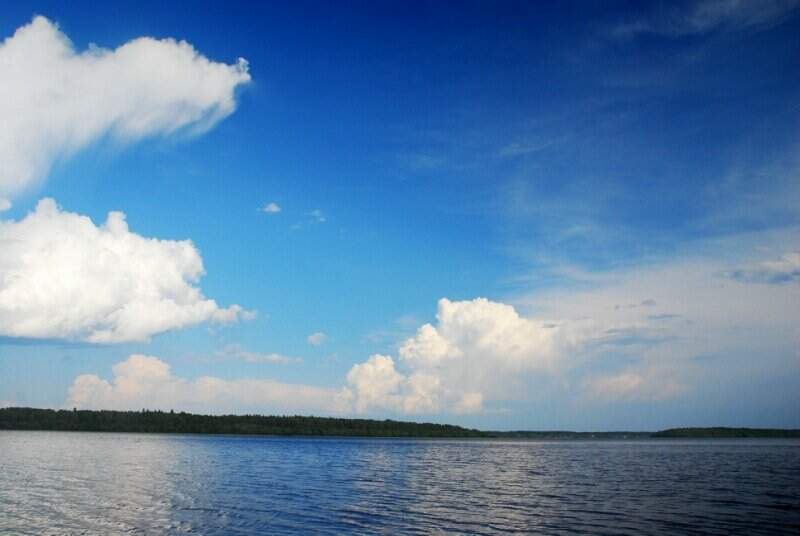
<point>66,483</point>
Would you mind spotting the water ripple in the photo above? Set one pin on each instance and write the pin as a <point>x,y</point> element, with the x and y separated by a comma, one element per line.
<point>72,483</point>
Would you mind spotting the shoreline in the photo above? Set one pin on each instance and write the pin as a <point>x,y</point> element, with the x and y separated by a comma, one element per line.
<point>172,423</point>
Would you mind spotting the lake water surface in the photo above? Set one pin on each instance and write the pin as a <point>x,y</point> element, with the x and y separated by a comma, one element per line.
<point>92,483</point>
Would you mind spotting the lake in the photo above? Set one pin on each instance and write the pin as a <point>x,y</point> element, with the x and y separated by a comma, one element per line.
<point>97,483</point>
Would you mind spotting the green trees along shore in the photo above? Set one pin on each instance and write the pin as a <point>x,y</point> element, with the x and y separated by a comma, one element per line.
<point>186,423</point>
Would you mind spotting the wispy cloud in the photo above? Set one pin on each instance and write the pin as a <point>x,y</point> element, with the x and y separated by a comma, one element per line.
<point>776,272</point>
<point>521,149</point>
<point>317,216</point>
<point>694,312</point>
<point>316,339</point>
<point>709,15</point>
<point>644,303</point>
<point>313,217</point>
<point>632,386</point>
<point>271,208</point>
<point>235,351</point>
<point>421,162</point>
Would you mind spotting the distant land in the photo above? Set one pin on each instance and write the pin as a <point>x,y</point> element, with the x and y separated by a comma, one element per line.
<point>187,423</point>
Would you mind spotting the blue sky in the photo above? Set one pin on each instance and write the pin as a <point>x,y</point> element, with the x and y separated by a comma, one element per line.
<point>619,181</point>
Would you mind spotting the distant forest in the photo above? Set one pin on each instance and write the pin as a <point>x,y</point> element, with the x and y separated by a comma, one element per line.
<point>186,423</point>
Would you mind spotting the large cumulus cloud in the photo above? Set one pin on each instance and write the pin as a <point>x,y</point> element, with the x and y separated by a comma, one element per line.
<point>61,276</point>
<point>475,351</point>
<point>645,335</point>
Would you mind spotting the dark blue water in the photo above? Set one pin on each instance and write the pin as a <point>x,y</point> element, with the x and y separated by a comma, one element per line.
<point>72,483</point>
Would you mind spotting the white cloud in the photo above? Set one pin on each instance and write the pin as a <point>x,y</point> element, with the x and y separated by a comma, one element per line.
<point>688,290</point>
<point>271,208</point>
<point>647,334</point>
<point>235,351</point>
<point>317,216</point>
<point>473,353</point>
<point>61,276</point>
<point>375,383</point>
<point>147,382</point>
<point>694,314</point>
<point>481,330</point>
<point>316,339</point>
<point>55,101</point>
<point>642,335</point>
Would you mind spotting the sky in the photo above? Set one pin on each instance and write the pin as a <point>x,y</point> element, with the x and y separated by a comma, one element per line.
<point>503,215</point>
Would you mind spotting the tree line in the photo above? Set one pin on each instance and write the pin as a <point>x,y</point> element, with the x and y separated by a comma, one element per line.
<point>146,421</point>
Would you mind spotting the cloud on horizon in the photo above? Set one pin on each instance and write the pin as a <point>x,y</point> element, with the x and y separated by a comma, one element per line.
<point>651,353</point>
<point>143,381</point>
<point>475,352</point>
<point>580,346</point>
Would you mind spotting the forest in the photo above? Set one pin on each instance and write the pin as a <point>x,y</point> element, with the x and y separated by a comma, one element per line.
<point>171,422</point>
<point>146,421</point>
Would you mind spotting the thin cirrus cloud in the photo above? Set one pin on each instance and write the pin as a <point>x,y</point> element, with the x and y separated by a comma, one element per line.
<point>55,101</point>
<point>63,277</point>
<point>235,351</point>
<point>704,16</point>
